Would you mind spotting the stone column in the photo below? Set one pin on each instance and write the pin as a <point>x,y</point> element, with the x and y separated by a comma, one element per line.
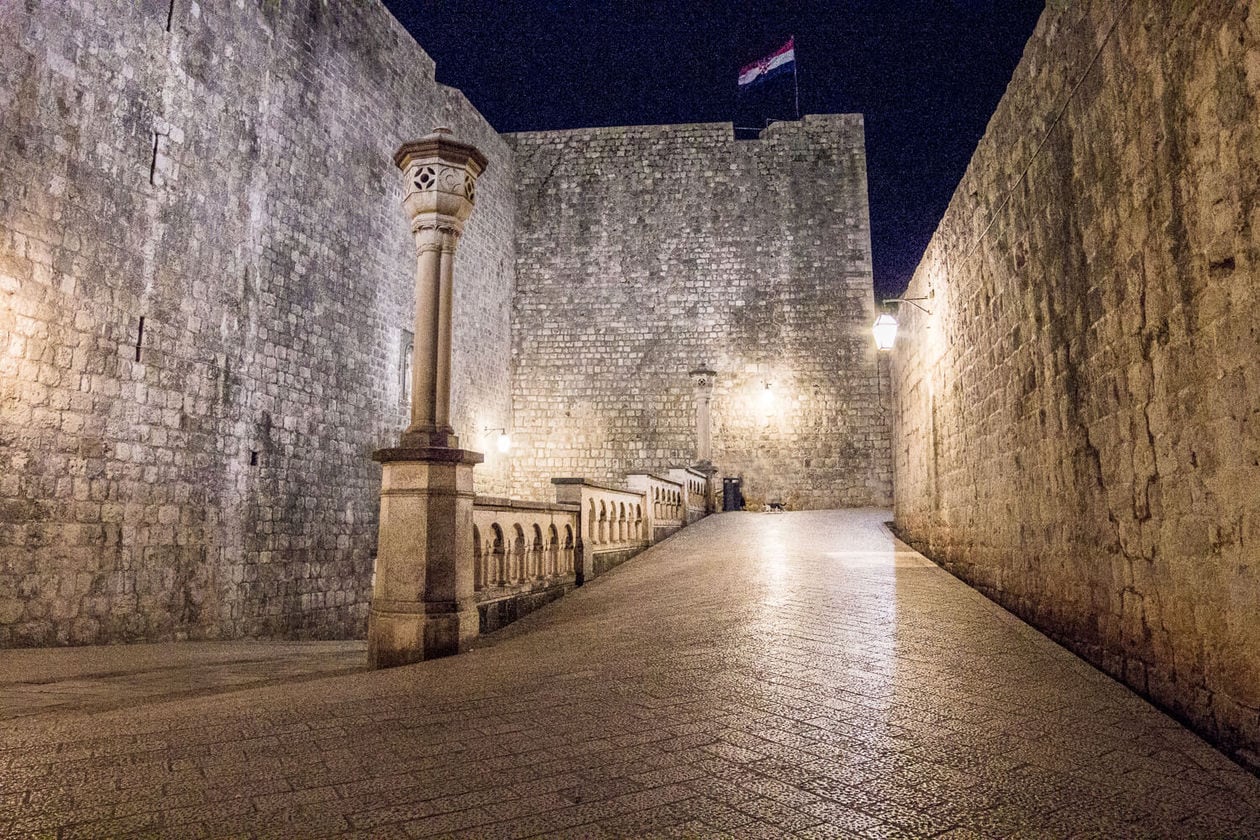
<point>422,601</point>
<point>702,381</point>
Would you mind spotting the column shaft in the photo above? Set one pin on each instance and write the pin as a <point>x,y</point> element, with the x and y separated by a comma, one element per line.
<point>446,285</point>
<point>428,351</point>
<point>704,443</point>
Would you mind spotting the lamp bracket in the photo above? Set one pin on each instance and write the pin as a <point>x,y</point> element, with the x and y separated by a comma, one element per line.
<point>912,301</point>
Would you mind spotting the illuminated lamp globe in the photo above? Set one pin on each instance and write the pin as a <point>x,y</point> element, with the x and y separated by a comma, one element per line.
<point>885,331</point>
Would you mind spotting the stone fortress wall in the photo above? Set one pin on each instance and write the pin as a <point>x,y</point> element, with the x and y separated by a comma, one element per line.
<point>645,252</point>
<point>223,171</point>
<point>1077,430</point>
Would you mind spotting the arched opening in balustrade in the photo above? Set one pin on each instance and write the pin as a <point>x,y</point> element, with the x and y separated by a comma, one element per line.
<point>552,566</point>
<point>656,502</point>
<point>566,561</point>
<point>517,572</point>
<point>638,522</point>
<point>498,556</point>
<point>621,522</point>
<point>591,524</point>
<point>479,562</point>
<point>603,521</point>
<point>536,555</point>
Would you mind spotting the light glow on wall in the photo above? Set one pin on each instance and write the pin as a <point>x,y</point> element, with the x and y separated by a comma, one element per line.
<point>502,441</point>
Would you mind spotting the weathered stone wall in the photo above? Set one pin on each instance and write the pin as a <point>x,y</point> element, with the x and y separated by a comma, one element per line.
<point>1077,424</point>
<point>643,252</point>
<point>223,171</point>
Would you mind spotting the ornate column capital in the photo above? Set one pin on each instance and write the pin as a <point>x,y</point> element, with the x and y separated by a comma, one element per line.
<point>441,181</point>
<point>702,378</point>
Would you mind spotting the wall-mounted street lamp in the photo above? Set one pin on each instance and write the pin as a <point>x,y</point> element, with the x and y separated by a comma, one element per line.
<point>766,403</point>
<point>504,442</point>
<point>885,328</point>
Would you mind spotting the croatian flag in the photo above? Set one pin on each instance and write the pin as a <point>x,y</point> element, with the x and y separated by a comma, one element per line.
<point>780,61</point>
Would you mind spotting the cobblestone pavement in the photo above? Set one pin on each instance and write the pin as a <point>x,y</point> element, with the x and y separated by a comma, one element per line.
<point>34,680</point>
<point>759,675</point>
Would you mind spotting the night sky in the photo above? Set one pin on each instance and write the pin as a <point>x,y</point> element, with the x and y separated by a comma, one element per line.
<point>926,73</point>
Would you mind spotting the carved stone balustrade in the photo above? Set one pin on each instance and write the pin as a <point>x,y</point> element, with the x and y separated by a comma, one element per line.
<point>614,523</point>
<point>695,484</point>
<point>524,556</point>
<point>666,502</point>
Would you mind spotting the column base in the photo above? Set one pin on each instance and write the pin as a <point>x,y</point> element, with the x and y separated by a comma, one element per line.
<point>430,438</point>
<point>415,632</point>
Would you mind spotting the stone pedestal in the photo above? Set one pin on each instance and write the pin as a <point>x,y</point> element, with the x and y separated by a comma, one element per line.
<point>422,602</point>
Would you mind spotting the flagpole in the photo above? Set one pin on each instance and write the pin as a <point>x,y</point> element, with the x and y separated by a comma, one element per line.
<point>795,82</point>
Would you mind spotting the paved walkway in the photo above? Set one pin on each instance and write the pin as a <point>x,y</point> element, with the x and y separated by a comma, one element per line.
<point>83,679</point>
<point>759,675</point>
